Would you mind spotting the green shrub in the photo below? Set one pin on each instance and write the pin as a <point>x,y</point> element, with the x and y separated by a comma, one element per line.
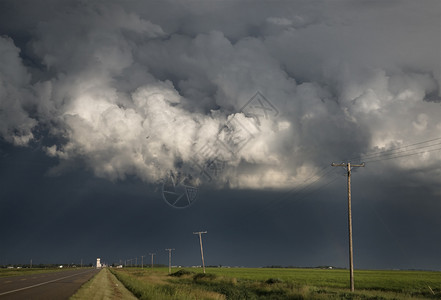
<point>204,276</point>
<point>273,280</point>
<point>181,272</point>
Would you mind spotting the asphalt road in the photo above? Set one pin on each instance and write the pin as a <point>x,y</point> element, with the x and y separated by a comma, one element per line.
<point>55,285</point>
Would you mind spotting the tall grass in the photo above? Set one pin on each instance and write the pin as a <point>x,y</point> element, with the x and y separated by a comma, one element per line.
<point>242,283</point>
<point>148,285</point>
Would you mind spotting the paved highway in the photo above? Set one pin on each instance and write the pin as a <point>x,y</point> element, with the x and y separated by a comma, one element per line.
<point>55,285</point>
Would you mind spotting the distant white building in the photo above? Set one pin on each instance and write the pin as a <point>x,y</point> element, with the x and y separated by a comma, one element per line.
<point>98,263</point>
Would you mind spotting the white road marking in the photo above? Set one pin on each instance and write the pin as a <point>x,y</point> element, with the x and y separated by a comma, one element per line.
<point>35,285</point>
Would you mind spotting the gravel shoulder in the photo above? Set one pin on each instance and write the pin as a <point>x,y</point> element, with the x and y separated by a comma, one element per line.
<point>103,286</point>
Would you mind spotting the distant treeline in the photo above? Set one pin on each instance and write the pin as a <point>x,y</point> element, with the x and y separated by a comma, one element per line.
<point>44,266</point>
<point>139,265</point>
<point>297,267</point>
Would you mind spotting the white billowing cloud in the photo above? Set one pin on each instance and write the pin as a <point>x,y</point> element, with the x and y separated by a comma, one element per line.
<point>128,98</point>
<point>142,140</point>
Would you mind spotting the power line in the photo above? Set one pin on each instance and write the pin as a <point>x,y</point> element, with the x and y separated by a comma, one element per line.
<point>202,250</point>
<point>394,150</point>
<point>307,192</point>
<point>348,167</point>
<point>293,192</point>
<point>169,259</point>
<point>152,254</point>
<point>404,155</point>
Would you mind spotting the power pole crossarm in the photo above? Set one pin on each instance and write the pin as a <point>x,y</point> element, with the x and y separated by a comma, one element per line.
<point>345,165</point>
<point>202,250</point>
<point>348,167</point>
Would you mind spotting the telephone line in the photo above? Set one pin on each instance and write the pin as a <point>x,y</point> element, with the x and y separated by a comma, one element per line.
<point>369,155</point>
<point>349,167</point>
<point>202,250</point>
<point>293,192</point>
<point>308,191</point>
<point>306,195</point>
<point>404,155</point>
<point>402,151</point>
<point>169,258</point>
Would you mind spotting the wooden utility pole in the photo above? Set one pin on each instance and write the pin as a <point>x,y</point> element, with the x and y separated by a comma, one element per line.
<point>202,250</point>
<point>348,167</point>
<point>152,257</point>
<point>169,259</point>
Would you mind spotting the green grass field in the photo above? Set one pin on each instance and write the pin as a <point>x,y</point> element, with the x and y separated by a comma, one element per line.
<point>266,283</point>
<point>28,271</point>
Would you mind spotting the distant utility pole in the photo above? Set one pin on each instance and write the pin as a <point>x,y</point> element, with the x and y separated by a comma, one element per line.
<point>202,250</point>
<point>152,257</point>
<point>142,261</point>
<point>169,259</point>
<point>348,167</point>
<point>31,264</point>
<point>136,261</point>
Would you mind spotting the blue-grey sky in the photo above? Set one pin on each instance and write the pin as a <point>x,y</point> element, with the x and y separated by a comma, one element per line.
<point>102,103</point>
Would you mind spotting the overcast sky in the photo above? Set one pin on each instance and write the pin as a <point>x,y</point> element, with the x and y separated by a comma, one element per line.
<point>243,105</point>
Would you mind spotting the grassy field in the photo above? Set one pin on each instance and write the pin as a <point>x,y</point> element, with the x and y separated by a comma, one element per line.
<point>29,271</point>
<point>263,283</point>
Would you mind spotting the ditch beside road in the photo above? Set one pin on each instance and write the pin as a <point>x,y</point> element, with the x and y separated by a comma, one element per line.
<point>103,286</point>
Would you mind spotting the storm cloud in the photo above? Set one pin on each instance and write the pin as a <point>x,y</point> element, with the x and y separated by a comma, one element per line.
<point>126,96</point>
<point>140,89</point>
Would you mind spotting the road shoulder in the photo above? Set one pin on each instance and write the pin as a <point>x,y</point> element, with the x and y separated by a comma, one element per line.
<point>103,286</point>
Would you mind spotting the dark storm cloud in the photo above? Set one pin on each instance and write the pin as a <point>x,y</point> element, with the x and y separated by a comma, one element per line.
<point>134,89</point>
<point>109,77</point>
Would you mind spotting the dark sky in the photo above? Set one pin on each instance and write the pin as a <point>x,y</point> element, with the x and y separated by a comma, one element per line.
<point>247,103</point>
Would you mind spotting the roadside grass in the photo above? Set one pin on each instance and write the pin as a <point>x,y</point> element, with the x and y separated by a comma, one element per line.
<point>263,283</point>
<point>29,271</point>
<point>148,284</point>
<point>104,285</point>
